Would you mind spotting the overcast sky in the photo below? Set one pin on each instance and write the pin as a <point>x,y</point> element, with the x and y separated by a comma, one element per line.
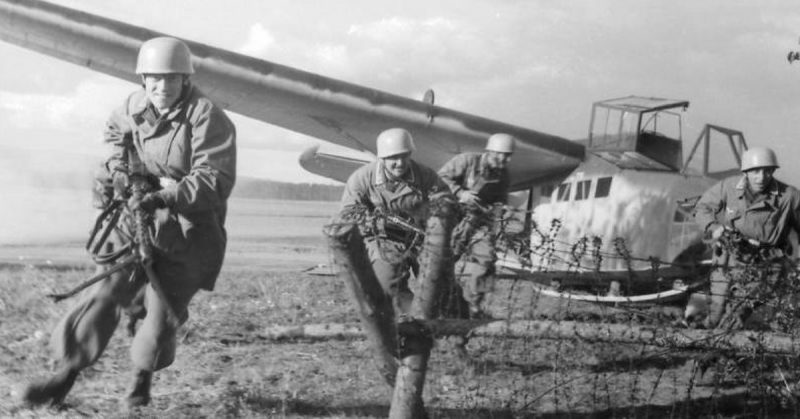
<point>538,64</point>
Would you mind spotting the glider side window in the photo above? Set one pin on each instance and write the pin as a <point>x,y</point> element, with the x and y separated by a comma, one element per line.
<point>563,192</point>
<point>582,189</point>
<point>603,187</point>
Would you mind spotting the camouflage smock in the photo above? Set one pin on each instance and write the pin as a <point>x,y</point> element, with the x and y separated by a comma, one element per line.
<point>408,197</point>
<point>193,150</point>
<point>768,218</point>
<point>470,171</point>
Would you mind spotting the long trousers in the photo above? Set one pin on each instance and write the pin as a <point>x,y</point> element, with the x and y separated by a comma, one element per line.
<point>392,265</point>
<point>477,267</point>
<point>83,333</point>
<point>750,298</point>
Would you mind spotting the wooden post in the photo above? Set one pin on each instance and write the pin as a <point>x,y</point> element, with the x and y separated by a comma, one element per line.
<point>415,349</point>
<point>436,269</point>
<point>374,306</point>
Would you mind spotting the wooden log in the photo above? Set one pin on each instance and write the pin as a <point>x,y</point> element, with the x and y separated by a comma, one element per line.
<point>436,269</point>
<point>374,305</point>
<point>667,337</point>
<point>320,331</point>
<point>436,266</point>
<point>415,350</point>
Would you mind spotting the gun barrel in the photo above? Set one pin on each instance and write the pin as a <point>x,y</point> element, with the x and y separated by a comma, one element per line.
<point>404,224</point>
<point>122,264</point>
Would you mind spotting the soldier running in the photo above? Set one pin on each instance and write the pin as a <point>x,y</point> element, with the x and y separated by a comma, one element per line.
<point>397,191</point>
<point>750,218</point>
<point>170,134</point>
<point>479,181</point>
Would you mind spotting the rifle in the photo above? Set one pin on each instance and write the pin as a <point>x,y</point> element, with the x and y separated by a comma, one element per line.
<point>140,186</point>
<point>746,249</point>
<point>122,264</point>
<point>400,222</point>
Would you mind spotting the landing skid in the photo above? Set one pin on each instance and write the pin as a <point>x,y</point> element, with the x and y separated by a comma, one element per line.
<point>574,285</point>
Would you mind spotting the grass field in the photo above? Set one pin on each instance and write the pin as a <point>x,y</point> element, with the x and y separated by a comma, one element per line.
<point>226,367</point>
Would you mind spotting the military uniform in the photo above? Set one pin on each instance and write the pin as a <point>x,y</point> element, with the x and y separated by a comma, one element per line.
<point>767,218</point>
<point>390,247</point>
<point>471,172</point>
<point>192,150</point>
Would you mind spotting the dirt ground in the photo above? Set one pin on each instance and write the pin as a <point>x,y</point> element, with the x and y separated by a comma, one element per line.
<point>227,368</point>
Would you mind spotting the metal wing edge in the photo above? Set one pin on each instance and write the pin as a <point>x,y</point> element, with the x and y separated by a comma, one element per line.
<point>327,165</point>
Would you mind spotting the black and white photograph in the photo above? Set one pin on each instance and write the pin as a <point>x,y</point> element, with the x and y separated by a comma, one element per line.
<point>370,209</point>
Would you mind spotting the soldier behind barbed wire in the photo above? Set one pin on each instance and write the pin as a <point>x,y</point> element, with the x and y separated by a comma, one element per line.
<point>749,217</point>
<point>395,187</point>
<point>479,181</point>
<point>186,147</point>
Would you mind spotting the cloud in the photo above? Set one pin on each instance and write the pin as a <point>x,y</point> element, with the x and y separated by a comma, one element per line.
<point>259,43</point>
<point>77,114</point>
<point>402,30</point>
<point>330,55</point>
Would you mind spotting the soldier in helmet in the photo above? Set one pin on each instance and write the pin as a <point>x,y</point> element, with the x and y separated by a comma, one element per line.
<point>479,180</point>
<point>750,218</point>
<point>398,190</point>
<point>170,133</point>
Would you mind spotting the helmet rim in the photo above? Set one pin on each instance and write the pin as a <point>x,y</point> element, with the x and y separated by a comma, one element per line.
<point>164,55</point>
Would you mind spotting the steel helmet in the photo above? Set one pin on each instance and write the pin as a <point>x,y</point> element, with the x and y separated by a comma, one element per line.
<point>394,141</point>
<point>501,143</point>
<point>756,157</point>
<point>164,55</point>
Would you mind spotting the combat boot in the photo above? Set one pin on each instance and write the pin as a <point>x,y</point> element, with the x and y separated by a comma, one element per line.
<point>140,393</point>
<point>52,390</point>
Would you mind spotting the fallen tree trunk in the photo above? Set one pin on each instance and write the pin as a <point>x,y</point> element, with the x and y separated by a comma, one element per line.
<point>374,305</point>
<point>667,337</point>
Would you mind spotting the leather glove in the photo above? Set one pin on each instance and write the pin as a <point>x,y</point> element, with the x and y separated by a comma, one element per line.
<point>120,182</point>
<point>148,203</point>
<point>469,197</point>
<point>716,231</point>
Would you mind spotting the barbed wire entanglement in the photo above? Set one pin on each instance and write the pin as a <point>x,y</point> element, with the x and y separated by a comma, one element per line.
<point>562,335</point>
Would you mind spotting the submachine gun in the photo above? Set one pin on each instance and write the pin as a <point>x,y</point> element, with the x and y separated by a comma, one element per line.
<point>745,249</point>
<point>138,252</point>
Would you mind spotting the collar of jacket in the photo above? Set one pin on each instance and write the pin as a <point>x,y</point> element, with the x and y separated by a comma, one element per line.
<point>381,177</point>
<point>483,164</point>
<point>772,190</point>
<point>143,104</point>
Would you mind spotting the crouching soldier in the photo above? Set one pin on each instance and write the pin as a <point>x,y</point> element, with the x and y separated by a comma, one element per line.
<point>395,192</point>
<point>479,181</point>
<point>749,218</point>
<point>178,151</point>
